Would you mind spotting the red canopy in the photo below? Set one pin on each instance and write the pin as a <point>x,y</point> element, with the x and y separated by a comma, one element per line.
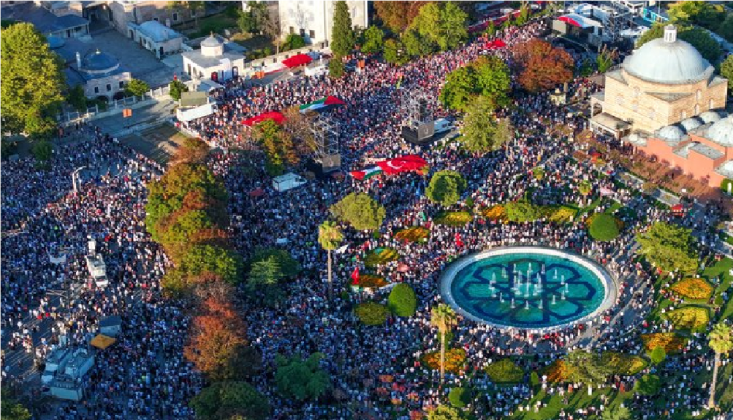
<point>497,43</point>
<point>275,116</point>
<point>297,60</point>
<point>402,164</point>
<point>259,192</point>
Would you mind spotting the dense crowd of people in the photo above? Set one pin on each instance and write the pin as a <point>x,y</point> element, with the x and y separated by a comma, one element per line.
<point>145,376</point>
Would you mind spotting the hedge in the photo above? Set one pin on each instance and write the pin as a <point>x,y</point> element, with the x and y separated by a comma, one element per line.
<point>402,300</point>
<point>505,372</point>
<point>460,397</point>
<point>372,313</point>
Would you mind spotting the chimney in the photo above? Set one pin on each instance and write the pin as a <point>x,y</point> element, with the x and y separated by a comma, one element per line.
<point>78,61</point>
<point>670,33</point>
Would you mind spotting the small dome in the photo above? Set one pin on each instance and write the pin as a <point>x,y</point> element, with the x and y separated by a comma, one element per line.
<point>709,117</point>
<point>55,42</point>
<point>722,132</point>
<point>211,41</point>
<point>671,132</point>
<point>668,61</point>
<point>690,124</point>
<point>99,61</point>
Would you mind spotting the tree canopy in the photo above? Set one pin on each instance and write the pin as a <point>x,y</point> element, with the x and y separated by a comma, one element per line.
<point>360,211</point>
<point>669,247</point>
<point>481,131</point>
<point>445,188</point>
<point>442,25</point>
<point>541,66</point>
<point>397,15</point>
<point>225,400</point>
<point>302,379</point>
<point>586,367</point>
<point>487,76</point>
<point>33,81</point>
<point>136,87</point>
<point>522,211</point>
<point>342,32</point>
<point>726,70</point>
<point>373,40</point>
<point>444,412</point>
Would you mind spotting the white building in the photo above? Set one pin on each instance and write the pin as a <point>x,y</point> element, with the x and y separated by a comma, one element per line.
<point>155,37</point>
<point>313,20</point>
<point>216,60</point>
<point>100,74</point>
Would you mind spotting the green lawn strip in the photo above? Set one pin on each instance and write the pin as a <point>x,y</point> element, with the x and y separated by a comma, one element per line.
<point>589,208</point>
<point>578,399</point>
<point>612,209</point>
<point>720,270</point>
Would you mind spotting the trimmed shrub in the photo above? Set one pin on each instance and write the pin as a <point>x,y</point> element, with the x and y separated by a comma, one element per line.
<point>603,227</point>
<point>372,313</point>
<point>724,185</point>
<point>402,300</point>
<point>460,397</point>
<point>648,385</point>
<point>505,372</point>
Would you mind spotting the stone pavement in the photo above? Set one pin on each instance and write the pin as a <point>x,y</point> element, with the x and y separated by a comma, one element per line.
<point>141,118</point>
<point>158,143</point>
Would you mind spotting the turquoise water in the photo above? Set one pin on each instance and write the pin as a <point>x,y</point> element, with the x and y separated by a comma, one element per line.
<point>496,289</point>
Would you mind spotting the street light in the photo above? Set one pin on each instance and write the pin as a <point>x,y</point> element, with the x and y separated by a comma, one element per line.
<point>75,178</point>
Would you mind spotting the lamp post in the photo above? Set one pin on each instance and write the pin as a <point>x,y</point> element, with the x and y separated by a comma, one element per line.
<point>75,178</point>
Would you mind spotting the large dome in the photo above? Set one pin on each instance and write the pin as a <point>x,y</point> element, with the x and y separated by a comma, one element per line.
<point>99,62</point>
<point>668,60</point>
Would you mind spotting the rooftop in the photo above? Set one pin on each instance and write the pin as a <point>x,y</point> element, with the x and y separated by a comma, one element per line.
<point>45,21</point>
<point>707,151</point>
<point>208,61</point>
<point>156,31</point>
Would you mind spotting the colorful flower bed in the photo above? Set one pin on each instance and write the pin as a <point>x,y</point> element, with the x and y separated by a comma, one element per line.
<point>371,281</point>
<point>413,234</point>
<point>670,342</point>
<point>505,372</point>
<point>497,212</point>
<point>693,288</point>
<point>381,256</point>
<point>689,318</point>
<point>556,372</point>
<point>563,214</point>
<point>453,218</point>
<point>454,360</point>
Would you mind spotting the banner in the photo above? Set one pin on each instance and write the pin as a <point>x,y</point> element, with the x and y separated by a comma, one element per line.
<point>398,165</point>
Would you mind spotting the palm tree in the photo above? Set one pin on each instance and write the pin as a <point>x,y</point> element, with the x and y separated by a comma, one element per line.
<point>721,341</point>
<point>443,318</point>
<point>330,237</point>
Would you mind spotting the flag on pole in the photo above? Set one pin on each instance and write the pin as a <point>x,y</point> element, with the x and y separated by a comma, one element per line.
<point>355,277</point>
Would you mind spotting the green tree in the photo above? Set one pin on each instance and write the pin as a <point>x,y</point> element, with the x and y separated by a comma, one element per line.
<point>700,13</point>
<point>302,379</point>
<point>452,26</point>
<point>336,68</point>
<point>647,385</point>
<point>725,29</point>
<point>444,412</point>
<point>726,70</point>
<point>33,81</point>
<point>210,259</point>
<point>603,227</point>
<point>342,32</point>
<point>136,87</point>
<point>444,319</point>
<point>77,98</point>
<point>460,397</point>
<point>585,187</point>
<point>392,51</point>
<point>617,413</point>
<point>373,40</point>
<point>523,15</point>
<point>225,400</point>
<point>294,41</point>
<point>427,24</point>
<point>371,313</point>
<point>290,266</point>
<point>255,18</point>
<point>445,188</point>
<point>587,368</point>
<point>604,60</point>
<point>402,300</point>
<point>720,340</point>
<point>459,91</point>
<point>360,211</point>
<point>522,211</point>
<point>415,44</point>
<point>12,409</point>
<point>697,37</point>
<point>330,238</point>
<point>481,132</point>
<point>176,88</point>
<point>657,355</point>
<point>492,79</point>
<point>669,247</point>
<point>42,151</point>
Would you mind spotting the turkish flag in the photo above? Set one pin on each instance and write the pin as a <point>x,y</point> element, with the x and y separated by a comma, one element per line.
<point>355,276</point>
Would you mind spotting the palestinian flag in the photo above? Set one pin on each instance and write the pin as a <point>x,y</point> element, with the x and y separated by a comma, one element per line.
<point>366,173</point>
<point>322,104</point>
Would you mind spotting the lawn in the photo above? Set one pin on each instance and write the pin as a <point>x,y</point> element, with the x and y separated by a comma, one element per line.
<point>692,318</point>
<point>505,372</point>
<point>720,270</point>
<point>380,256</point>
<point>576,400</point>
<point>671,342</point>
<point>453,218</point>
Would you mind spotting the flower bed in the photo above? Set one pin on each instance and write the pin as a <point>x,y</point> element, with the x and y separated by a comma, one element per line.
<point>563,214</point>
<point>454,360</point>
<point>413,234</point>
<point>689,318</point>
<point>371,281</point>
<point>497,212</point>
<point>623,364</point>
<point>556,372</point>
<point>670,342</point>
<point>693,288</point>
<point>381,256</point>
<point>453,218</point>
<point>505,372</point>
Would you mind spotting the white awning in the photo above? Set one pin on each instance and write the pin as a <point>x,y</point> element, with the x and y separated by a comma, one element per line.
<point>194,113</point>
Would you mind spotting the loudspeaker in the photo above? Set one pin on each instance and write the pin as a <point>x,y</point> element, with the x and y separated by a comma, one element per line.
<point>425,130</point>
<point>330,163</point>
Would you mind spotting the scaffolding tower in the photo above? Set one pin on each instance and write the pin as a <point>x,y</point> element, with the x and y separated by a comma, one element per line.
<point>325,135</point>
<point>418,107</point>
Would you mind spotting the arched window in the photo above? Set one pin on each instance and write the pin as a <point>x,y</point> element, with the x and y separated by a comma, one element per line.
<point>697,109</point>
<point>712,104</point>
<point>683,115</point>
<point>698,95</point>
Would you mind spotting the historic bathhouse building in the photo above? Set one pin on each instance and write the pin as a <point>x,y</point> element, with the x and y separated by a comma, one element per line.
<point>100,74</point>
<point>666,101</point>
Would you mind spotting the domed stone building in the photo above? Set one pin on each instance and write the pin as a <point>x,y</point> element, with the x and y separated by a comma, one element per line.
<point>664,82</point>
<point>217,60</point>
<point>100,74</point>
<point>667,102</point>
